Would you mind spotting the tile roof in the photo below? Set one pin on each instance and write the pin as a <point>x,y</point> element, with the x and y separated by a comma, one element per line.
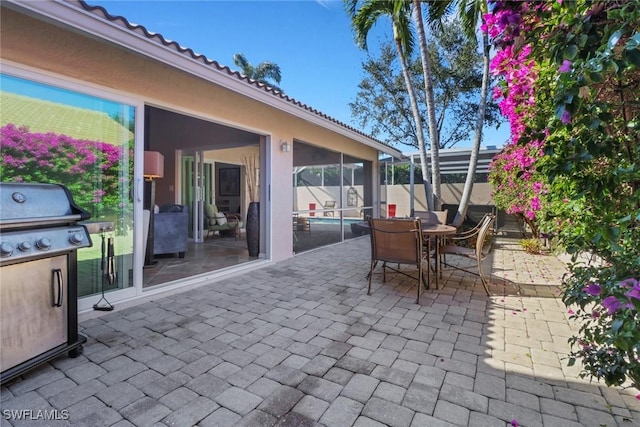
<point>159,38</point>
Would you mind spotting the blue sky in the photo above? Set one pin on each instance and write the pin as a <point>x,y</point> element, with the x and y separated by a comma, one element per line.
<point>311,41</point>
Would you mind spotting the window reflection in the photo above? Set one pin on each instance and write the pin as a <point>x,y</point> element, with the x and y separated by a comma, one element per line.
<point>331,192</point>
<point>83,142</point>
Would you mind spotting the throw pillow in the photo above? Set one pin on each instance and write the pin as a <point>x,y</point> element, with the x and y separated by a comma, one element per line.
<point>220,218</point>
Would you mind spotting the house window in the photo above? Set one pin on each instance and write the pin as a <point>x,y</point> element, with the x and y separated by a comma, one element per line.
<point>55,135</point>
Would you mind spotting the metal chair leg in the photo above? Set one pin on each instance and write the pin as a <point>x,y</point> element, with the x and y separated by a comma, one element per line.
<point>373,266</point>
<point>484,280</point>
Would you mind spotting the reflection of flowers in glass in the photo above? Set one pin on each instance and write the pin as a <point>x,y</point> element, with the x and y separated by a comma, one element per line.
<point>88,168</point>
<point>612,304</point>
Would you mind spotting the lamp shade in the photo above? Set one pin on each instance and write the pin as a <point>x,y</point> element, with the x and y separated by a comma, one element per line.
<point>153,165</point>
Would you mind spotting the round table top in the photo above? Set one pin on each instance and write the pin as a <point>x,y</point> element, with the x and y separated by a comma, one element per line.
<point>438,229</point>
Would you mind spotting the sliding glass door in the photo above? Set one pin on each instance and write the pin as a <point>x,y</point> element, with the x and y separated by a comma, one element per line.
<point>86,143</point>
<point>331,192</point>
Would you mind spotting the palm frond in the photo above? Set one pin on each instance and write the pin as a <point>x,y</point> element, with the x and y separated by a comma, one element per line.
<point>241,61</point>
<point>267,70</point>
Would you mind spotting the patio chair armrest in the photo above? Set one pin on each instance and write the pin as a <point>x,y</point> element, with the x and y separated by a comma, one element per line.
<point>463,236</point>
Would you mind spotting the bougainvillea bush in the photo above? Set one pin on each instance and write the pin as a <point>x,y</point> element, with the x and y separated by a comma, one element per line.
<point>580,114</point>
<point>89,169</point>
<point>517,187</point>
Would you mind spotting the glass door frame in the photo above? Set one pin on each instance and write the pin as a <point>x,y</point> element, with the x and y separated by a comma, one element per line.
<point>68,83</point>
<point>194,184</point>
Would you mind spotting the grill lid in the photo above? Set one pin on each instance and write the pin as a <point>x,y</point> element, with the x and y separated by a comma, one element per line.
<point>33,204</point>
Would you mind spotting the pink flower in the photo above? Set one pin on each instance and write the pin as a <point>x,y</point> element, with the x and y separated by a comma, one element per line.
<point>571,312</point>
<point>612,304</point>
<point>537,186</point>
<point>565,67</point>
<point>535,204</point>
<point>514,423</point>
<point>593,289</point>
<point>634,293</point>
<point>630,282</point>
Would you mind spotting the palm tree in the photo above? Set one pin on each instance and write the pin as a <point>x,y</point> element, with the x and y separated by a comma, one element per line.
<point>399,11</point>
<point>431,112</point>
<point>262,73</point>
<point>469,11</point>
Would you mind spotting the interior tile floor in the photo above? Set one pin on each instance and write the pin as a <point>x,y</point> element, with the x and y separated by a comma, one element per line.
<point>214,253</point>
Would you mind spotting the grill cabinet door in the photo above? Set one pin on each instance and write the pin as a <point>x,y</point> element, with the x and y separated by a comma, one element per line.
<point>31,322</point>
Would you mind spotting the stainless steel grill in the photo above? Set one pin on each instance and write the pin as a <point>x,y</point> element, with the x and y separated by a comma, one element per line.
<point>39,239</point>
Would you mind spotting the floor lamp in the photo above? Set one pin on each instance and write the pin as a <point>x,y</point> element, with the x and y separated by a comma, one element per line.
<point>153,169</point>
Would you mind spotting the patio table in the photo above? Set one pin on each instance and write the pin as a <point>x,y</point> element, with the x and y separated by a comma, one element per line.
<point>437,231</point>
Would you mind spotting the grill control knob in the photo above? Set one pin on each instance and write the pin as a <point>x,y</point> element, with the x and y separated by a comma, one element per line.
<point>76,238</point>
<point>24,246</point>
<point>43,243</point>
<point>6,249</point>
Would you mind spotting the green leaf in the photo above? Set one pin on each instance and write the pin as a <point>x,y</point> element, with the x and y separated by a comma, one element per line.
<point>633,56</point>
<point>614,233</point>
<point>570,51</point>
<point>615,66</point>
<point>595,124</point>
<point>596,77</point>
<point>582,40</point>
<point>614,39</point>
<point>621,344</point>
<point>572,361</point>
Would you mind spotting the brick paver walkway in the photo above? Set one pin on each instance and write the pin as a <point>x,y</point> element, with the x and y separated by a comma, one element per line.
<point>299,343</point>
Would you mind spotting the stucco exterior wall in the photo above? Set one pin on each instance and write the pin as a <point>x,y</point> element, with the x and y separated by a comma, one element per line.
<point>43,46</point>
<point>451,193</point>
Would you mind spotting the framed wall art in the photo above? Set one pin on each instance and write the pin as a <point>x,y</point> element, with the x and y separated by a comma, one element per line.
<point>229,182</point>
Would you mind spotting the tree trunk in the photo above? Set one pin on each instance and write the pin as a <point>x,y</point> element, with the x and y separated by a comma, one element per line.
<point>473,160</point>
<point>431,113</point>
<point>418,120</point>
